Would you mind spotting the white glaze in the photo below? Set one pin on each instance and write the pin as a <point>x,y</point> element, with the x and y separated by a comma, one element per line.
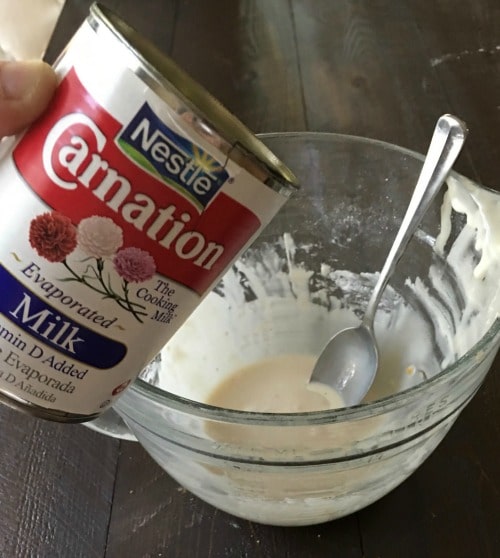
<point>227,334</point>
<point>232,334</point>
<point>258,387</point>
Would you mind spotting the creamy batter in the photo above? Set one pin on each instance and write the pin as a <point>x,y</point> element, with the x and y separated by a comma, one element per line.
<point>257,354</point>
<point>242,348</point>
<point>258,387</point>
<point>273,341</point>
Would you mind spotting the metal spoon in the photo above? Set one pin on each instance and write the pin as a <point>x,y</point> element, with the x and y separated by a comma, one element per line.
<point>349,361</point>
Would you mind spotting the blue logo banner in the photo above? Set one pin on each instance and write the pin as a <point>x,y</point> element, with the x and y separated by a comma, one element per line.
<point>172,158</point>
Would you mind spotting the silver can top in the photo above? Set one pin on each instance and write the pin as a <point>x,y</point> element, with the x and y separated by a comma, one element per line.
<point>208,115</point>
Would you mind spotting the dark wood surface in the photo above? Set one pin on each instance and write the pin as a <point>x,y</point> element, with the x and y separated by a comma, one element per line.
<point>380,68</point>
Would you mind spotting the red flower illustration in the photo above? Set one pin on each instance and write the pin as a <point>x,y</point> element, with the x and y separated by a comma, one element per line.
<point>53,236</point>
<point>134,265</point>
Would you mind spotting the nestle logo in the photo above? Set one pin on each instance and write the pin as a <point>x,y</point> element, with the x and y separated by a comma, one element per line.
<point>172,158</point>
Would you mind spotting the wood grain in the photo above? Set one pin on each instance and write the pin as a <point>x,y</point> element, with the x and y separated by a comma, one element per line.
<point>451,505</point>
<point>153,516</point>
<point>463,50</point>
<point>244,53</point>
<point>56,488</point>
<point>365,73</point>
<point>154,19</point>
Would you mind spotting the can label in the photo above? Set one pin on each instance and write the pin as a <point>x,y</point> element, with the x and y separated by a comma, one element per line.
<point>114,224</point>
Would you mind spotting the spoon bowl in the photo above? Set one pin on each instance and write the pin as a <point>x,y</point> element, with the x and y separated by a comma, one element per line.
<point>348,363</point>
<point>354,351</point>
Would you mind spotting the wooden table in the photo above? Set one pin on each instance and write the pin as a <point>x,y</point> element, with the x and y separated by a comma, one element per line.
<point>380,68</point>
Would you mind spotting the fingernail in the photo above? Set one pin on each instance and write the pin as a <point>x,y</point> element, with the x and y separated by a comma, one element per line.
<point>19,79</point>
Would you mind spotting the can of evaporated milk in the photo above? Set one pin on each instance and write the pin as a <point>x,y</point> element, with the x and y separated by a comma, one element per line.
<point>119,209</point>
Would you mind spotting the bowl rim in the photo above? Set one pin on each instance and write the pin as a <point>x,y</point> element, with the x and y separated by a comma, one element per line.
<point>358,412</point>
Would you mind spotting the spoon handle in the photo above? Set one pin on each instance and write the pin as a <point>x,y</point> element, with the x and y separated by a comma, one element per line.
<point>446,143</point>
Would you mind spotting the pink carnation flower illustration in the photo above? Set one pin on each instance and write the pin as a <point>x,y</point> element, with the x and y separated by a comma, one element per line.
<point>99,237</point>
<point>134,265</point>
<point>53,236</point>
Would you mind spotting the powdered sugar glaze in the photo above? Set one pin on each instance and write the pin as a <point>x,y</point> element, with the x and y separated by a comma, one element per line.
<point>270,304</point>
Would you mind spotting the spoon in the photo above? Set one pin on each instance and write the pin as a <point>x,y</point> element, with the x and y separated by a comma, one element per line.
<point>349,361</point>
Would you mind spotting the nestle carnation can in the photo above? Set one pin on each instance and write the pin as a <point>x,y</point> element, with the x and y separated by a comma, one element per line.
<point>119,209</point>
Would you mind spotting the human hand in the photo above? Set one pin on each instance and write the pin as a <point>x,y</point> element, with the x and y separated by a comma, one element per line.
<point>25,91</point>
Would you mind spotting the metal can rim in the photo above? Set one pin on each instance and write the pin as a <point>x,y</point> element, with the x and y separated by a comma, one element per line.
<point>165,72</point>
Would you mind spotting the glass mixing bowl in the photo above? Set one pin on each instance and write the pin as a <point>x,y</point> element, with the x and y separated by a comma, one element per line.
<point>313,264</point>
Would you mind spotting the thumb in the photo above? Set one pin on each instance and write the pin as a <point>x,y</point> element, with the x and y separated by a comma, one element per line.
<point>25,91</point>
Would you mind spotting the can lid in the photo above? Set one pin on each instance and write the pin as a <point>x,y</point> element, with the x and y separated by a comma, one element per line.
<point>245,148</point>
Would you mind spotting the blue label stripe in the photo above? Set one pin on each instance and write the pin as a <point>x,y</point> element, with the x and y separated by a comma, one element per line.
<point>36,317</point>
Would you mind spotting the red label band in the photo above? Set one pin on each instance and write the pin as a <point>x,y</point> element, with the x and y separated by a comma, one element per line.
<point>71,159</point>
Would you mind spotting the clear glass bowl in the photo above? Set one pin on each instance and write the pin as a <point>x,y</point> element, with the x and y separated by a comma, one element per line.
<point>306,468</point>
